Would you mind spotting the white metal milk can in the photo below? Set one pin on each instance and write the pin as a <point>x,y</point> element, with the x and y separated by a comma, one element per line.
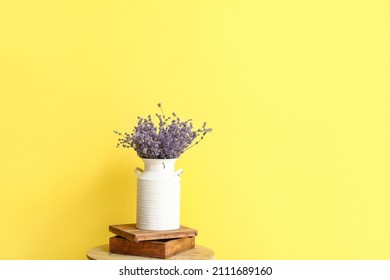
<point>158,195</point>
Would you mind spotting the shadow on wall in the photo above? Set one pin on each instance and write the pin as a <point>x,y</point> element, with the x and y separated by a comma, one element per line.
<point>114,193</point>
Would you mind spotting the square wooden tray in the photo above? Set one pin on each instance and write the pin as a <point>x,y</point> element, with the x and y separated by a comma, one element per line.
<point>162,249</point>
<point>132,233</point>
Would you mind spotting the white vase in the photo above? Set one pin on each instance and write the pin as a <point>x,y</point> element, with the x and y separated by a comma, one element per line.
<point>158,195</point>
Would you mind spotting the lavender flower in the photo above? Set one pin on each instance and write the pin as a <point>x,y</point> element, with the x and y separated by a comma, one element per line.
<point>167,140</point>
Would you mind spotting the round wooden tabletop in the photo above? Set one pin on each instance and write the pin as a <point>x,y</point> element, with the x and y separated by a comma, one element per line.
<point>198,253</point>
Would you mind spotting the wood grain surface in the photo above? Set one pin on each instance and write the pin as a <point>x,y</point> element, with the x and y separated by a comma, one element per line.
<point>131,232</point>
<point>162,249</point>
<point>197,253</point>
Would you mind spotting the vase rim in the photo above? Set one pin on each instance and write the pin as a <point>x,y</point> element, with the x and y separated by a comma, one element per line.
<point>159,158</point>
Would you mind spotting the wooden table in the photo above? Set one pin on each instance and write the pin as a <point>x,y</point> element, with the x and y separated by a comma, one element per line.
<point>198,253</point>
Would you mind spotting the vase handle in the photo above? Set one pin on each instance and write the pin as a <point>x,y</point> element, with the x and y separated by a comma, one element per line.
<point>138,171</point>
<point>178,172</point>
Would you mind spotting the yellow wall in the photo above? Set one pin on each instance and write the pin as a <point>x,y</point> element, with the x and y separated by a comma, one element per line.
<point>297,93</point>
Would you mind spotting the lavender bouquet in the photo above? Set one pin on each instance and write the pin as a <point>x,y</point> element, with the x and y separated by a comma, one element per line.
<point>168,140</point>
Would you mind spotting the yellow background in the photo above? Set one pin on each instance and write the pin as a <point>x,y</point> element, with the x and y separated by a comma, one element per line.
<point>297,92</point>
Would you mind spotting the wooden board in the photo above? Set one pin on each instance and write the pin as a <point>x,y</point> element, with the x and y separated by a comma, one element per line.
<point>131,232</point>
<point>162,249</point>
<point>198,253</point>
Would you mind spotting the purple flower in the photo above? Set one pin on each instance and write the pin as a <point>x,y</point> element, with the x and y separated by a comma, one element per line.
<point>165,141</point>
